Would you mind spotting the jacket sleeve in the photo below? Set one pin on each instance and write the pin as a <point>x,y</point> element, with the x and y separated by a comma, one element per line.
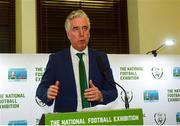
<point>108,88</point>
<point>47,80</point>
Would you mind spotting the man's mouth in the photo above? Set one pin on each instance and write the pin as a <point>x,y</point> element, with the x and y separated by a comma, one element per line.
<point>82,41</point>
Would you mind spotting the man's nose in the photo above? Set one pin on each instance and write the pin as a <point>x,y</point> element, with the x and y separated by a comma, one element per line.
<point>81,32</point>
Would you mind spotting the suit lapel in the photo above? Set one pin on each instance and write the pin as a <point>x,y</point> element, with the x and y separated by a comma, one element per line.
<point>90,63</point>
<point>69,66</point>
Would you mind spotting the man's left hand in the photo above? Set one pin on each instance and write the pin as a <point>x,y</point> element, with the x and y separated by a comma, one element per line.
<point>93,93</point>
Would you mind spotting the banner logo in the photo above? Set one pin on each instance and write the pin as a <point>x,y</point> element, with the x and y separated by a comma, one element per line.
<point>178,117</point>
<point>151,96</point>
<point>157,72</point>
<point>176,72</point>
<point>160,118</point>
<point>17,123</point>
<point>39,102</point>
<point>129,95</point>
<point>17,74</point>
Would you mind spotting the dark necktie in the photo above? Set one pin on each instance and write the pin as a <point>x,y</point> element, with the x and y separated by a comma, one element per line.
<point>83,80</point>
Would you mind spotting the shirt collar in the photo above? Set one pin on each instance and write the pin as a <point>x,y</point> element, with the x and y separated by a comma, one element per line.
<point>74,51</point>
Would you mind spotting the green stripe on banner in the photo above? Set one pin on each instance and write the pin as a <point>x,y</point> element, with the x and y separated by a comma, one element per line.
<point>108,117</point>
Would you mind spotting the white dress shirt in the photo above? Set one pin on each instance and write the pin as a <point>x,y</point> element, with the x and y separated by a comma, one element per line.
<point>75,63</point>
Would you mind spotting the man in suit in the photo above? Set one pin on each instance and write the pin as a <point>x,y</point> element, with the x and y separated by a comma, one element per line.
<point>61,83</point>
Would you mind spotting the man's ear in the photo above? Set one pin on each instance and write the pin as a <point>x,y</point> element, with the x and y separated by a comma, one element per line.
<point>68,35</point>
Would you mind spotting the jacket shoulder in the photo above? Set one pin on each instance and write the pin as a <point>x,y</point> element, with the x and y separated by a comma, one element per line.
<point>96,52</point>
<point>61,53</point>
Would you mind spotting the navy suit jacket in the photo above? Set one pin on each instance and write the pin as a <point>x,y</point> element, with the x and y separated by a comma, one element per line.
<point>59,67</point>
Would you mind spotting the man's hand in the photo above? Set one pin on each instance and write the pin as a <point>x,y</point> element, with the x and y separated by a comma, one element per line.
<point>93,93</point>
<point>53,91</point>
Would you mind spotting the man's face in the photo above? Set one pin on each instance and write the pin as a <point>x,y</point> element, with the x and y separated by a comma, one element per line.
<point>79,33</point>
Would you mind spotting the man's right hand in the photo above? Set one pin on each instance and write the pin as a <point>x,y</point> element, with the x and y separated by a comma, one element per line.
<point>53,91</point>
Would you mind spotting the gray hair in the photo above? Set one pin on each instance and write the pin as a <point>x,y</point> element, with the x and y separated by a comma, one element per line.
<point>75,14</point>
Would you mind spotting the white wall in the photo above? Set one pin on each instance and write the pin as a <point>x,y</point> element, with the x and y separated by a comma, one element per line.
<point>157,20</point>
<point>26,26</point>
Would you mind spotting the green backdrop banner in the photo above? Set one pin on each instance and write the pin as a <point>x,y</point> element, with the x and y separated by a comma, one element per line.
<point>111,117</point>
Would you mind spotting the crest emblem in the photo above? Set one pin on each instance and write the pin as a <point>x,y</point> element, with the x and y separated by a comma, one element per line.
<point>157,72</point>
<point>160,118</point>
<point>39,102</point>
<point>129,95</point>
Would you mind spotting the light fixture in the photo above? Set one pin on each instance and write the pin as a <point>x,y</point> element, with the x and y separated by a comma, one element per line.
<point>168,42</point>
